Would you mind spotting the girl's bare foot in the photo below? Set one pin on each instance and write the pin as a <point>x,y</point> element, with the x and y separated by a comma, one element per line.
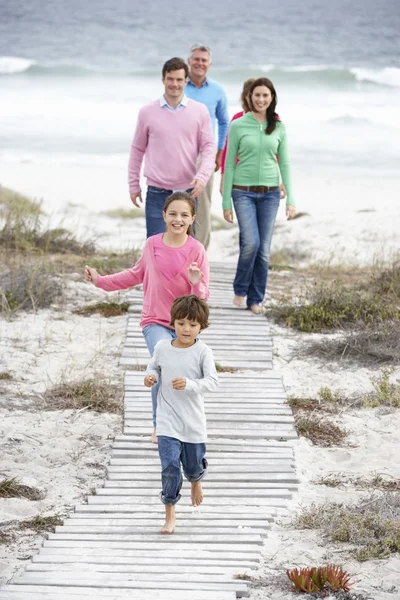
<point>169,525</point>
<point>239,301</point>
<point>196,493</point>
<point>154,438</point>
<point>257,309</point>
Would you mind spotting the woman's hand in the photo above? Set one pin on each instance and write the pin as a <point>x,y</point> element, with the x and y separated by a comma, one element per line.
<point>290,211</point>
<point>228,215</point>
<point>149,380</point>
<point>91,274</point>
<point>283,191</point>
<point>194,274</point>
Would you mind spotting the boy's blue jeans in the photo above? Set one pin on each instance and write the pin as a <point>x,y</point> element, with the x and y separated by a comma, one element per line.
<point>256,215</point>
<point>155,200</point>
<point>172,453</point>
<point>152,334</point>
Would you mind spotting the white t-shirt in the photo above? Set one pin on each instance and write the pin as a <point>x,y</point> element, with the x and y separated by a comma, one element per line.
<point>180,413</point>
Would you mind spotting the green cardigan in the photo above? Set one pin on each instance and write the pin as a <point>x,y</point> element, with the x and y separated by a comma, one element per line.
<point>257,153</point>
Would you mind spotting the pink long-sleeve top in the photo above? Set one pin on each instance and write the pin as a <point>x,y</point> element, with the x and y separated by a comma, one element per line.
<point>160,290</point>
<point>170,142</point>
<point>235,116</point>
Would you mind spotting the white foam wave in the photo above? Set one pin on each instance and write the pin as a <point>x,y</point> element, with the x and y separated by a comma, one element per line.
<point>387,76</point>
<point>13,64</point>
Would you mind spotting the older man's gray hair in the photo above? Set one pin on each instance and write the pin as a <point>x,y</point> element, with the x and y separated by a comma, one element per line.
<point>202,48</point>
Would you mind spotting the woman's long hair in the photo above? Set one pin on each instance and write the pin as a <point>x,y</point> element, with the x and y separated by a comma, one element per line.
<point>271,116</point>
<point>245,92</point>
<point>188,198</point>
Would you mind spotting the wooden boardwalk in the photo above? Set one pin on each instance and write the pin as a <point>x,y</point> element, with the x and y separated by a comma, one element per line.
<point>110,547</point>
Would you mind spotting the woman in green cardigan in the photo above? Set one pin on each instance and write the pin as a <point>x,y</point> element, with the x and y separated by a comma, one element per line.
<point>253,184</point>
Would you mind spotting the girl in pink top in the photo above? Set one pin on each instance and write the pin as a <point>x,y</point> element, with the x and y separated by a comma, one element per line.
<point>172,264</point>
<point>244,99</point>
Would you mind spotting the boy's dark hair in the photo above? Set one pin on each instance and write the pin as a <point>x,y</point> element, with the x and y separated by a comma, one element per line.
<point>192,308</point>
<point>175,64</point>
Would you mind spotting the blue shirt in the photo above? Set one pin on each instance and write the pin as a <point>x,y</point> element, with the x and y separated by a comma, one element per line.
<point>181,104</point>
<point>213,96</point>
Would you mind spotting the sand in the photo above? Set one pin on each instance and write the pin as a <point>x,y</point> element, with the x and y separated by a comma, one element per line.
<point>64,451</point>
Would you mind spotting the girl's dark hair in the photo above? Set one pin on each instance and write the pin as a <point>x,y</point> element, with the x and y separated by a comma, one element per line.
<point>245,91</point>
<point>187,198</point>
<point>272,117</point>
<point>192,308</point>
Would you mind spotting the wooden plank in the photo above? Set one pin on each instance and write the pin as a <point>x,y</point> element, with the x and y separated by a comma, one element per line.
<point>115,521</point>
<point>255,446</point>
<point>209,484</point>
<point>68,592</point>
<point>177,538</point>
<point>120,567</point>
<point>223,511</point>
<point>181,530</point>
<point>161,542</point>
<point>150,499</point>
<point>228,480</point>
<point>147,556</point>
<point>221,420</point>
<point>240,433</point>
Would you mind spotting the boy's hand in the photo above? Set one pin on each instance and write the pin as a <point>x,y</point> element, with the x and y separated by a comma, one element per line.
<point>91,274</point>
<point>179,383</point>
<point>194,274</point>
<point>149,380</point>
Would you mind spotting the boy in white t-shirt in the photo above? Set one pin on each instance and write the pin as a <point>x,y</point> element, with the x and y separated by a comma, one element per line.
<point>185,369</point>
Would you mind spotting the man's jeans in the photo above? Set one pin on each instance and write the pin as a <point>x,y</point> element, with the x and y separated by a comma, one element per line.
<point>256,215</point>
<point>152,334</point>
<point>155,200</point>
<point>172,453</point>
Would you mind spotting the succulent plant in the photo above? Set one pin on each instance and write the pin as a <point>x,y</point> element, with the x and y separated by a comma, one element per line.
<point>315,579</point>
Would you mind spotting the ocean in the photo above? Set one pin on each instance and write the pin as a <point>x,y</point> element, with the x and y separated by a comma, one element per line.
<point>73,76</point>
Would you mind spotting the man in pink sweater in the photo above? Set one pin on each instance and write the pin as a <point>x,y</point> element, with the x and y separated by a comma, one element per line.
<point>170,133</point>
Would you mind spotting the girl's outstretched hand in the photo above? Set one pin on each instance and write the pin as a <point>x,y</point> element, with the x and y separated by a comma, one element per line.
<point>91,274</point>
<point>194,274</point>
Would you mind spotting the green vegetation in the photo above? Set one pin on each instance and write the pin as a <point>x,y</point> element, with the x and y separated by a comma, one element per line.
<point>371,527</point>
<point>107,309</point>
<point>320,431</point>
<point>92,394</point>
<point>42,524</point>
<point>385,393</point>
<point>11,488</point>
<point>125,213</point>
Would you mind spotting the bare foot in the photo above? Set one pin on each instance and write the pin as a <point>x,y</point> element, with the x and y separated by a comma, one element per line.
<point>196,493</point>
<point>257,309</point>
<point>169,525</point>
<point>239,301</point>
<point>154,438</point>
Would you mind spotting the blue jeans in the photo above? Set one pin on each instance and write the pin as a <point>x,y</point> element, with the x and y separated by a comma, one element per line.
<point>152,334</point>
<point>256,215</point>
<point>155,200</point>
<point>172,453</point>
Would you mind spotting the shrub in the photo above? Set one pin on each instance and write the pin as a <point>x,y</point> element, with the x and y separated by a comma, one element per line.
<point>321,432</point>
<point>11,488</point>
<point>107,309</point>
<point>29,287</point>
<point>315,579</point>
<point>385,393</point>
<point>92,394</point>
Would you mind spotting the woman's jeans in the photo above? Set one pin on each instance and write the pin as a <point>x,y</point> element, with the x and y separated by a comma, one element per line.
<point>256,215</point>
<point>172,453</point>
<point>152,334</point>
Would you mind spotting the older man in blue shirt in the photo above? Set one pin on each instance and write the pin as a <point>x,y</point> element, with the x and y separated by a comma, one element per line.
<point>203,89</point>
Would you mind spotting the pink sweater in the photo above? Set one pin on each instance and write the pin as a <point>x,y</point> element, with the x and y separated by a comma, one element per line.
<point>171,142</point>
<point>160,292</point>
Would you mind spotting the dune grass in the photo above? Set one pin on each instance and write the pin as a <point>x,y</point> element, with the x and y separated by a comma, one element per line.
<point>97,395</point>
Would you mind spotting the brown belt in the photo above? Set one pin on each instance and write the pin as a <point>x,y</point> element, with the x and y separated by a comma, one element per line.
<point>258,189</point>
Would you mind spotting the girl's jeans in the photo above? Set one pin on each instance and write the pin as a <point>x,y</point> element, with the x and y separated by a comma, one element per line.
<point>172,453</point>
<point>256,215</point>
<point>152,334</point>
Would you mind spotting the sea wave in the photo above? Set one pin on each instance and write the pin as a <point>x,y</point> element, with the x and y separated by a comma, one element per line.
<point>387,76</point>
<point>297,74</point>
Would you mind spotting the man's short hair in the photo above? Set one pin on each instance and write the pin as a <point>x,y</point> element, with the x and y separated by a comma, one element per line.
<point>175,64</point>
<point>192,308</point>
<point>202,48</point>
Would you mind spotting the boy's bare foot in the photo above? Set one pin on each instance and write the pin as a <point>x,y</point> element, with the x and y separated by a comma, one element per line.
<point>257,309</point>
<point>169,525</point>
<point>239,301</point>
<point>154,438</point>
<point>196,493</point>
